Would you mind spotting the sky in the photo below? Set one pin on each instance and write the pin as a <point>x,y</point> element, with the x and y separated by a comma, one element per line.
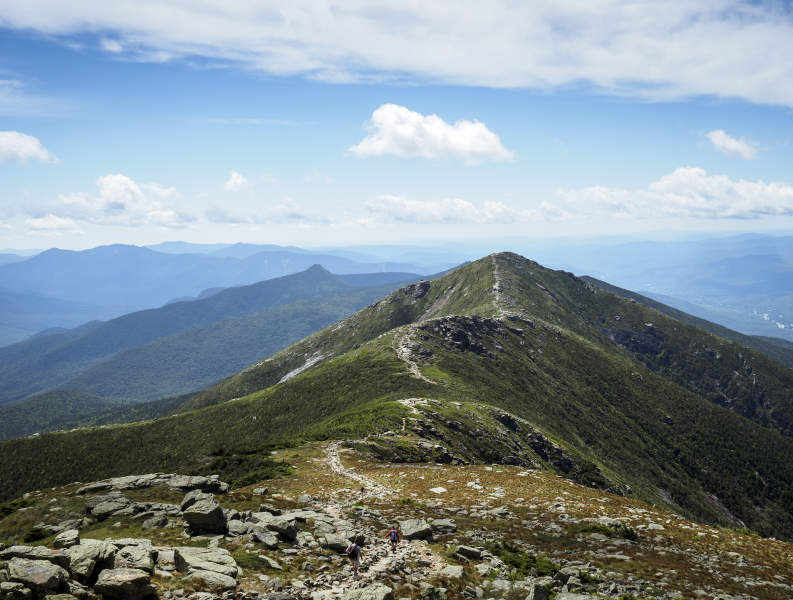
<point>335,123</point>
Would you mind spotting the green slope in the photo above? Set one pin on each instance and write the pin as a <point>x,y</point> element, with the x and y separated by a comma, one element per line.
<point>32,366</point>
<point>620,386</point>
<point>776,348</point>
<point>197,358</point>
<point>55,410</point>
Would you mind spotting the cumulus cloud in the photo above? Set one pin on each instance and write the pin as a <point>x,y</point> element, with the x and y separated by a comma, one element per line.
<point>402,132</point>
<point>236,182</point>
<point>120,202</point>
<point>731,147</point>
<point>19,147</point>
<point>687,192</point>
<point>670,49</point>
<point>4,225</point>
<point>52,225</point>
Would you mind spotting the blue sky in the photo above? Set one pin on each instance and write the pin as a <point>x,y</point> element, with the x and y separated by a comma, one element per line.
<point>339,122</point>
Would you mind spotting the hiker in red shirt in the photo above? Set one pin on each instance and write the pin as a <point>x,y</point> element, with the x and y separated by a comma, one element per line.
<point>393,535</point>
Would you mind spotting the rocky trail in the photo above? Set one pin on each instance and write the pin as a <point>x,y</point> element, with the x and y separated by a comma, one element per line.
<point>468,532</point>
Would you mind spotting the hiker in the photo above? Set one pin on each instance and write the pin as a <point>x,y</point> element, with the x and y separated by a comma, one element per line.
<point>354,553</point>
<point>393,535</point>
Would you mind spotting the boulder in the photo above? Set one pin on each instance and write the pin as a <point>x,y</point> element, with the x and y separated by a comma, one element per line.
<point>97,486</point>
<point>67,539</point>
<point>469,552</point>
<point>569,596</point>
<point>90,556</point>
<point>376,591</point>
<point>189,500</point>
<point>537,592</point>
<point>283,525</point>
<point>263,536</point>
<point>270,562</point>
<point>154,523</point>
<point>124,584</point>
<point>113,504</point>
<point>197,482</point>
<point>78,591</point>
<point>209,580</point>
<point>136,557</point>
<point>38,575</point>
<point>322,528</point>
<point>217,560</point>
<point>206,515</point>
<point>414,529</point>
<point>443,526</point>
<point>11,590</point>
<point>56,557</point>
<point>336,542</point>
<point>269,508</point>
<point>237,528</point>
<point>453,571</point>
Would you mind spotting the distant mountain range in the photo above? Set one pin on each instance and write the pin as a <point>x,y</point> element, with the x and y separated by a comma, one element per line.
<point>63,288</point>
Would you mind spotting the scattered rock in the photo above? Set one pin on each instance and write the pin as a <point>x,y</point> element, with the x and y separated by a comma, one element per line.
<point>537,592</point>
<point>376,591</point>
<point>470,552</point>
<point>37,575</point>
<point>217,560</point>
<point>154,523</point>
<point>136,557</point>
<point>336,542</point>
<point>443,526</point>
<point>88,555</point>
<point>11,590</point>
<point>56,557</point>
<point>67,539</point>
<point>415,529</point>
<point>124,584</point>
<point>215,582</point>
<point>453,571</point>
<point>205,514</point>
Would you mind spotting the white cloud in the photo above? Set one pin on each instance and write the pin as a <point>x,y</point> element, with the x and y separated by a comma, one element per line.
<point>686,192</point>
<point>111,46</point>
<point>670,49</point>
<point>52,225</point>
<point>236,182</point>
<point>402,132</point>
<point>222,214</point>
<point>121,202</point>
<point>731,147</point>
<point>398,209</point>
<point>19,147</point>
<point>4,225</point>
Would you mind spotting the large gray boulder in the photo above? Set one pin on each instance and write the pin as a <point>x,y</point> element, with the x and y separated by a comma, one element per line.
<point>136,557</point>
<point>38,575</point>
<point>237,528</point>
<point>209,580</point>
<point>453,571</point>
<point>376,591</point>
<point>537,592</point>
<point>285,526</point>
<point>469,552</point>
<point>205,514</point>
<point>217,560</point>
<point>67,539</point>
<point>336,542</point>
<point>414,529</point>
<point>56,557</point>
<point>11,590</point>
<point>90,556</point>
<point>264,536</point>
<point>109,505</point>
<point>124,584</point>
<point>443,526</point>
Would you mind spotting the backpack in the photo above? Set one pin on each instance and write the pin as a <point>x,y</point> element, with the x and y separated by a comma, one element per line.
<point>394,535</point>
<point>352,550</point>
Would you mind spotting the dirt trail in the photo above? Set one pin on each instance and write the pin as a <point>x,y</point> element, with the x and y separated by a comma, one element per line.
<point>497,287</point>
<point>402,346</point>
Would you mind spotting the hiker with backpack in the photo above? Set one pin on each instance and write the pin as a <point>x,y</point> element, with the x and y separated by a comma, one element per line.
<point>393,535</point>
<point>354,553</point>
